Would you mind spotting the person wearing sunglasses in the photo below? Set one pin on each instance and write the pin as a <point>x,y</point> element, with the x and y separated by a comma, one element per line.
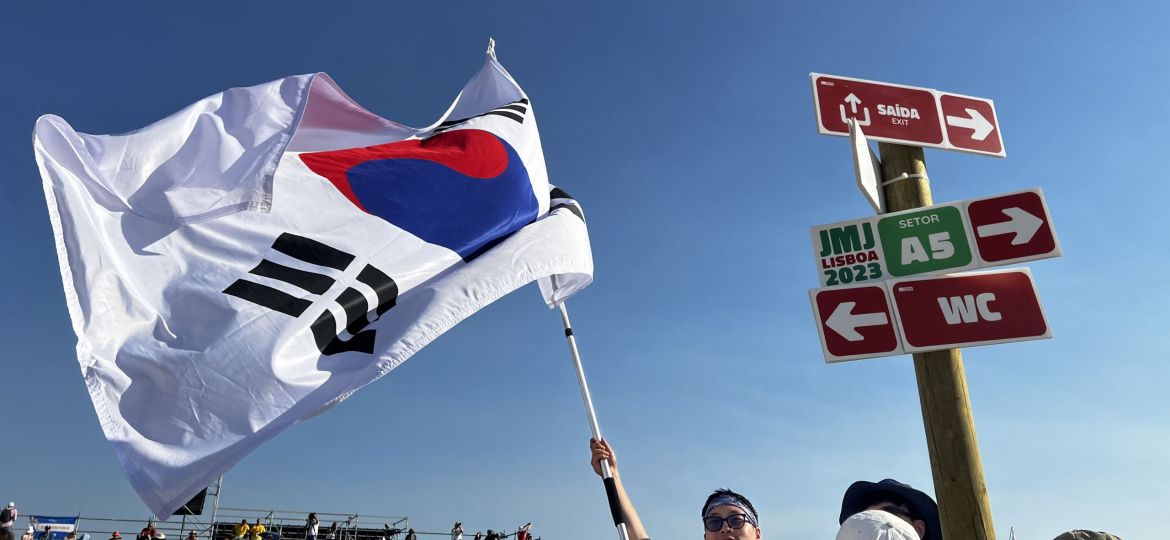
<point>893,497</point>
<point>727,515</point>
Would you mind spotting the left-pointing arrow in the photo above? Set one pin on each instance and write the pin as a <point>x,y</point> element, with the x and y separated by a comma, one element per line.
<point>974,120</point>
<point>845,323</point>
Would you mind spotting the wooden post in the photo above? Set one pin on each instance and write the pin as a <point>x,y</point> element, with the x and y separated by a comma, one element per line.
<point>942,386</point>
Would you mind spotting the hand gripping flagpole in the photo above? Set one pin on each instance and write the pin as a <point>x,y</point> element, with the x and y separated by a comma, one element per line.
<point>615,508</point>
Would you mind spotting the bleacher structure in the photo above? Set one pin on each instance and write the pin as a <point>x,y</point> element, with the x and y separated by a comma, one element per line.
<point>218,523</point>
<point>290,525</point>
<point>280,525</point>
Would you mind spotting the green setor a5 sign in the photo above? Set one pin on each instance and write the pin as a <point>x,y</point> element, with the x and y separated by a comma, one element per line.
<point>924,241</point>
<point>920,241</point>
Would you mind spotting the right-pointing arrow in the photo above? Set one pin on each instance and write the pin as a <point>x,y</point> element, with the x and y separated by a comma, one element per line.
<point>974,120</point>
<point>845,323</point>
<point>1021,222</point>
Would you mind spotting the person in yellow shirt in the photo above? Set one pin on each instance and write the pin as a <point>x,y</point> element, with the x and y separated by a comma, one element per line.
<point>241,530</point>
<point>256,530</point>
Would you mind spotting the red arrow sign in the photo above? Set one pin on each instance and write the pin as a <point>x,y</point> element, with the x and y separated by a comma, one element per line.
<point>1013,228</point>
<point>906,114</point>
<point>971,123</point>
<point>855,322</point>
<point>969,309</point>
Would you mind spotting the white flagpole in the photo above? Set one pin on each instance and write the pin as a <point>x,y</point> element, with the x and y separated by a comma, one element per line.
<point>615,508</point>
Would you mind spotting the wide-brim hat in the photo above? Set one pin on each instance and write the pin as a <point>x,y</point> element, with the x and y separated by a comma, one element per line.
<point>1081,534</point>
<point>862,494</point>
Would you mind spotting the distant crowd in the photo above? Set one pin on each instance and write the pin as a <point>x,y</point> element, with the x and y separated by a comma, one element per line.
<point>522,533</point>
<point>249,531</point>
<point>313,531</point>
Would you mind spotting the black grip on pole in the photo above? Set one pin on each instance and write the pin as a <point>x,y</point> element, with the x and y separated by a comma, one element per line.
<point>568,332</point>
<point>615,506</point>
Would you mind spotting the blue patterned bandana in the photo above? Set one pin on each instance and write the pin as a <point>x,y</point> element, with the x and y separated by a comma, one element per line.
<point>732,501</point>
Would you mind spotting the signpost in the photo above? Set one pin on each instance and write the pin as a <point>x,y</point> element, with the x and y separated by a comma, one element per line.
<point>954,237</point>
<point>964,509</point>
<point>858,260</point>
<point>867,267</point>
<point>906,114</point>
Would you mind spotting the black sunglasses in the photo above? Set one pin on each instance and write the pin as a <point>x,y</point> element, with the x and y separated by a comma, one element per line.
<point>898,511</point>
<point>715,523</point>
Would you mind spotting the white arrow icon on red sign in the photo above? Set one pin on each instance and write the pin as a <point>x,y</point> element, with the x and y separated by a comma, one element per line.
<point>974,120</point>
<point>1023,224</point>
<point>845,323</point>
<point>853,102</point>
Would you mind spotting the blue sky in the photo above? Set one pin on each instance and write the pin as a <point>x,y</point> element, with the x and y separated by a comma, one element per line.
<point>687,132</point>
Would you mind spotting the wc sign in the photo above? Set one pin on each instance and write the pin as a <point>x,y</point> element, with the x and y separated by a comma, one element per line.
<point>928,313</point>
<point>968,309</point>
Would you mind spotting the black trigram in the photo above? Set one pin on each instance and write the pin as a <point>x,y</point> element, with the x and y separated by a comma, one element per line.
<point>515,110</point>
<point>352,301</point>
<point>559,198</point>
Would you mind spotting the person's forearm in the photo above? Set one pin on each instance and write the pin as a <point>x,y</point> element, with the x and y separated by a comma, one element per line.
<point>633,523</point>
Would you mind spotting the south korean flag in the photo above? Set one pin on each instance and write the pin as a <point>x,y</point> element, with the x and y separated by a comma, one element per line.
<point>253,259</point>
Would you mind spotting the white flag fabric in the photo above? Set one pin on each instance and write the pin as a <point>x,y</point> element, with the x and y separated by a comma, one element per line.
<point>253,259</point>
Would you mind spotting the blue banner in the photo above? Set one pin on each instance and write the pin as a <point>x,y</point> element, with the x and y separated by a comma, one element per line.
<point>58,527</point>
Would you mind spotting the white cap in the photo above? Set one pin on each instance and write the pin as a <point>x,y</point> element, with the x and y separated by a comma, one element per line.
<point>10,504</point>
<point>876,525</point>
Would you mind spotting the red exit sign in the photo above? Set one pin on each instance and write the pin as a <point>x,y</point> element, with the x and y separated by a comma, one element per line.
<point>906,114</point>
